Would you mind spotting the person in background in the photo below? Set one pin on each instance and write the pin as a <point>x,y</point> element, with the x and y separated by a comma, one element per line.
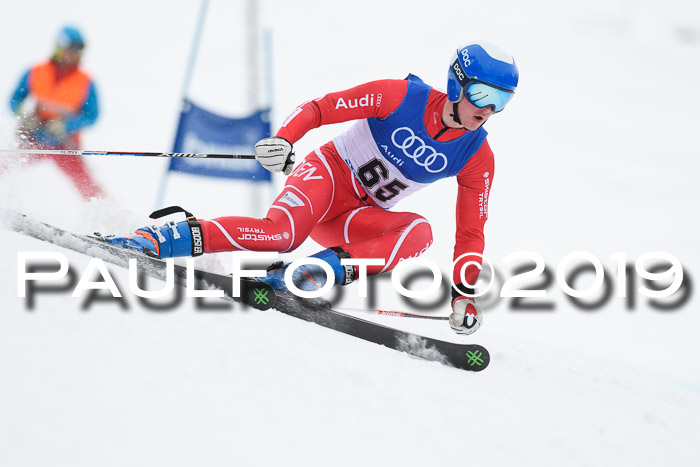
<point>54,101</point>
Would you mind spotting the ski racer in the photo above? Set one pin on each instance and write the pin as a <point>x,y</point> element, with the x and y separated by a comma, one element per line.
<point>406,136</point>
<point>62,100</point>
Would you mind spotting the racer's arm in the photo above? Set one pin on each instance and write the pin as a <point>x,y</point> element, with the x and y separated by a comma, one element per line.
<point>373,99</point>
<point>474,182</point>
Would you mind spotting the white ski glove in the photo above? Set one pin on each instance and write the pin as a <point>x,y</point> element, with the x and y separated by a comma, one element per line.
<point>466,317</point>
<point>275,154</point>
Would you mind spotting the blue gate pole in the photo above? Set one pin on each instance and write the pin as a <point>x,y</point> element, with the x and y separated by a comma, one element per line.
<point>194,51</point>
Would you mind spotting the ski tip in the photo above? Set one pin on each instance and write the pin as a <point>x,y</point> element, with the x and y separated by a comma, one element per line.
<point>475,358</point>
<point>257,294</point>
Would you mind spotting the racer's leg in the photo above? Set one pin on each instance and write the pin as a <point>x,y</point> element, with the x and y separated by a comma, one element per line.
<point>312,193</point>
<point>372,232</point>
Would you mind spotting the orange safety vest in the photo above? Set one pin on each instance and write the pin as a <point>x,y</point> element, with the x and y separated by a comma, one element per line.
<point>57,99</point>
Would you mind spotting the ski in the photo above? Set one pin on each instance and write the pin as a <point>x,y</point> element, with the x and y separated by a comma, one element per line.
<point>254,293</point>
<point>471,357</point>
<point>260,295</point>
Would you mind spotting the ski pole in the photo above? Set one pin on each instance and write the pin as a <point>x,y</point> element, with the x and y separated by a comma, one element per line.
<point>400,314</point>
<point>69,152</point>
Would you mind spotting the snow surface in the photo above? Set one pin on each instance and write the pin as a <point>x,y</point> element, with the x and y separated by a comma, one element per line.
<point>597,152</point>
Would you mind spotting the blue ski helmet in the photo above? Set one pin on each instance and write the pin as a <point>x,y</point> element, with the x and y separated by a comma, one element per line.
<point>479,63</point>
<point>70,38</point>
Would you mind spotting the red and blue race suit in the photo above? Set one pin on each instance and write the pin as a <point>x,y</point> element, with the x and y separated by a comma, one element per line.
<point>341,193</point>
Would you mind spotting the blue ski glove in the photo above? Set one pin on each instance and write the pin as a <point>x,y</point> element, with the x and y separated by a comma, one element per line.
<point>167,241</point>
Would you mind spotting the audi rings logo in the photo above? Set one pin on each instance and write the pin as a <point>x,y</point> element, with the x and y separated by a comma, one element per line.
<point>415,148</point>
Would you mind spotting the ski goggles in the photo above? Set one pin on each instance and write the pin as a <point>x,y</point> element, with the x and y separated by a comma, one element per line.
<point>66,43</point>
<point>483,95</point>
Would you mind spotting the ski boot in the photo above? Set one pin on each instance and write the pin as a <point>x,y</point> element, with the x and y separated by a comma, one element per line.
<point>310,277</point>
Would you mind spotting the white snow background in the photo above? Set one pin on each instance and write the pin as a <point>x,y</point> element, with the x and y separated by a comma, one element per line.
<point>597,152</point>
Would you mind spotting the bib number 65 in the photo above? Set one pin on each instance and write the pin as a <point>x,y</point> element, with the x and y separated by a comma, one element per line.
<point>374,173</point>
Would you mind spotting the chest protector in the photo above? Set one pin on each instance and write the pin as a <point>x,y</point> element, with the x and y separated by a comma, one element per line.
<point>395,157</point>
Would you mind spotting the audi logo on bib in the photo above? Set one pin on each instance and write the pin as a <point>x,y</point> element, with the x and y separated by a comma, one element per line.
<point>415,148</point>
